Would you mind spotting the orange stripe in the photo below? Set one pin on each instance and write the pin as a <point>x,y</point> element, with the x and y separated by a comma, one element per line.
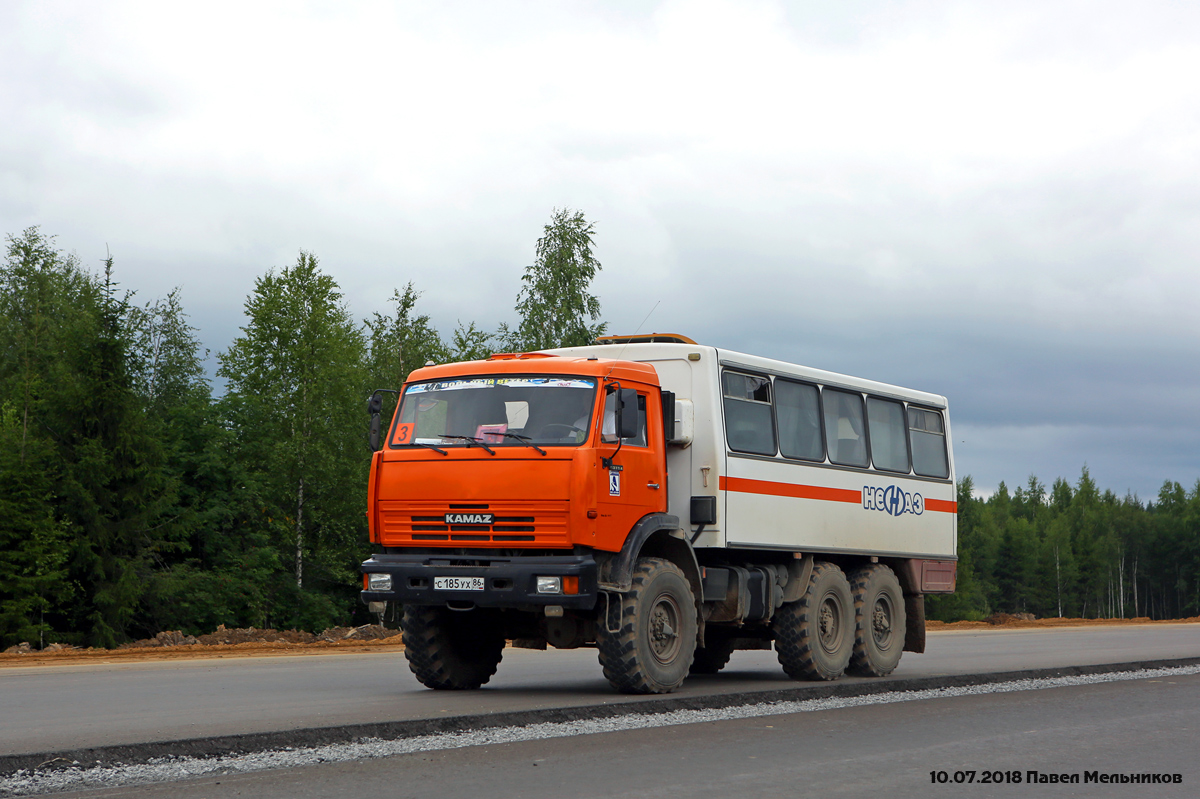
<point>943,505</point>
<point>746,486</point>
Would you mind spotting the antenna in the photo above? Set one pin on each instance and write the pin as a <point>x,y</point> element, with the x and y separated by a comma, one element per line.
<point>626,344</point>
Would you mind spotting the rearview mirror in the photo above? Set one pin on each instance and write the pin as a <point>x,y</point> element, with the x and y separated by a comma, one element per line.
<point>375,409</point>
<point>373,438</point>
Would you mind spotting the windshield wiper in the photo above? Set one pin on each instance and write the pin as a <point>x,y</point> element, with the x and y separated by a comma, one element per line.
<point>431,446</point>
<point>526,440</point>
<point>473,442</point>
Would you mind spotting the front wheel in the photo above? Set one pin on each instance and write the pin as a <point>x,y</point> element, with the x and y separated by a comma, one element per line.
<point>452,650</point>
<point>655,630</point>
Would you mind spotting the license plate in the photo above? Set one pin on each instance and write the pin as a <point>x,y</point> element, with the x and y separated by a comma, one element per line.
<point>458,583</point>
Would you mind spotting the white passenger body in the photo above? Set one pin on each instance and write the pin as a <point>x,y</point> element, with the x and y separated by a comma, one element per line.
<point>773,502</point>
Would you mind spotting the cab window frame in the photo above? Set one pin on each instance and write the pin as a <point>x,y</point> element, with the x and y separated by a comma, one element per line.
<point>904,433</point>
<point>727,417</point>
<point>823,455</point>
<point>864,433</point>
<point>939,414</point>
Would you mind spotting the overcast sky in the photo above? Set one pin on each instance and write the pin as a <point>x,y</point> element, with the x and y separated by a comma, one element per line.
<point>997,202</point>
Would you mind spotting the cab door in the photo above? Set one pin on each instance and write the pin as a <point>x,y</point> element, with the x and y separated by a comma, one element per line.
<point>632,479</point>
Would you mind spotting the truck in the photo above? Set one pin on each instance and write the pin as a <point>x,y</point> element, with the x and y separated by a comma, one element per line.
<point>662,501</point>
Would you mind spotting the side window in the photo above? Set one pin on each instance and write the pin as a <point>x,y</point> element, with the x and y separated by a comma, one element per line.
<point>844,432</point>
<point>885,423</point>
<point>423,419</point>
<point>608,433</point>
<point>798,409</point>
<point>749,426</point>
<point>928,438</point>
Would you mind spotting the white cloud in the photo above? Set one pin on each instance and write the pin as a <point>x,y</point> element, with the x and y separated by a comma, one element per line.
<point>915,191</point>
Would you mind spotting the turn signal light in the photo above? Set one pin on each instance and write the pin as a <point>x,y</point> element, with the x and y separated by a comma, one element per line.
<point>570,585</point>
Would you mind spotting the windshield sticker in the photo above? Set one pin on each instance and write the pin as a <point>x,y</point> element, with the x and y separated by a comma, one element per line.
<point>449,385</point>
<point>404,433</point>
<point>506,382</point>
<point>491,433</point>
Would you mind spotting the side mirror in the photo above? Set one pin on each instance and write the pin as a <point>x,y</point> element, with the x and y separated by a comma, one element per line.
<point>375,409</point>
<point>373,438</point>
<point>627,413</point>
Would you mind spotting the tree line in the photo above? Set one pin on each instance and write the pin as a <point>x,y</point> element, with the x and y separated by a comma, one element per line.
<point>1075,551</point>
<point>135,500</point>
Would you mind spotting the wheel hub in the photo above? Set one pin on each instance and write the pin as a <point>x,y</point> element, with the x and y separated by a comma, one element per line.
<point>830,625</point>
<point>664,626</point>
<point>881,623</point>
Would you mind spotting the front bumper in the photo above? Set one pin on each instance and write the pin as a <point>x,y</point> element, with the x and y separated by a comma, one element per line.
<point>509,582</point>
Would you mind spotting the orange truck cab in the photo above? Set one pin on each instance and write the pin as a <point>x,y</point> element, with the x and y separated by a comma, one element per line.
<point>525,499</point>
<point>540,503</point>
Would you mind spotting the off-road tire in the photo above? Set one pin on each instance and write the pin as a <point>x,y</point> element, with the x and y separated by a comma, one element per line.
<point>652,649</point>
<point>814,635</point>
<point>879,621</point>
<point>712,658</point>
<point>452,650</point>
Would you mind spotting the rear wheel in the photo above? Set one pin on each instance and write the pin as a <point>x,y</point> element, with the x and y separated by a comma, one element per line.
<point>655,623</point>
<point>452,650</point>
<point>878,621</point>
<point>814,635</point>
<point>712,657</point>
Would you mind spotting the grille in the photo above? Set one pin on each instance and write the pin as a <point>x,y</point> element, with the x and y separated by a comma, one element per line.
<point>542,523</point>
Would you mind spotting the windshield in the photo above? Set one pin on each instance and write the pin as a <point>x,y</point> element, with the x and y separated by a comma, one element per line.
<point>496,412</point>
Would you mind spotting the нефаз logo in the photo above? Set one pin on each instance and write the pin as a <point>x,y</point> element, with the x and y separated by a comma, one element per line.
<point>892,500</point>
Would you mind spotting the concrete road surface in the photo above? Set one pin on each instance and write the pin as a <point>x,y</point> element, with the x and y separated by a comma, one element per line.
<point>53,708</point>
<point>1147,726</point>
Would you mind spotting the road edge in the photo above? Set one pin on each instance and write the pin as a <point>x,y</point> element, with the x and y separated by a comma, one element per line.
<point>246,743</point>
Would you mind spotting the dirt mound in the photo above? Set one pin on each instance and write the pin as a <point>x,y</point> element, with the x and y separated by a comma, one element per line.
<point>368,632</point>
<point>247,635</point>
<point>165,638</point>
<point>223,641</point>
<point>1005,618</point>
<point>24,648</point>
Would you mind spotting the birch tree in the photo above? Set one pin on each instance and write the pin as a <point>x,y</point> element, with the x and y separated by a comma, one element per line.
<point>555,305</point>
<point>295,390</point>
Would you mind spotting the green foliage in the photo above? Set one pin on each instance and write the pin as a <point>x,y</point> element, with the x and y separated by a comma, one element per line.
<point>34,543</point>
<point>555,306</point>
<point>99,508</point>
<point>296,380</point>
<point>471,344</point>
<point>1076,552</point>
<point>133,501</point>
<point>398,343</point>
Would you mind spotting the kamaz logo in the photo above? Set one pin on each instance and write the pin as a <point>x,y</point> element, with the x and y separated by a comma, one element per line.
<point>892,500</point>
<point>468,518</point>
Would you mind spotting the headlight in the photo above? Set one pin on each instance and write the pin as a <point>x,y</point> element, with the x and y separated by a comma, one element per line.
<point>549,585</point>
<point>379,582</point>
